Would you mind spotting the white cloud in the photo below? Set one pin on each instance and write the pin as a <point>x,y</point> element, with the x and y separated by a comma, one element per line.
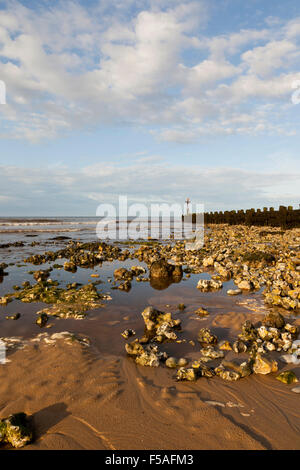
<point>292,29</point>
<point>274,55</point>
<point>68,67</point>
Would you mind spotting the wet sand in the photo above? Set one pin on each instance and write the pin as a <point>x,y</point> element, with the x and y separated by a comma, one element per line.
<point>98,398</point>
<point>88,398</point>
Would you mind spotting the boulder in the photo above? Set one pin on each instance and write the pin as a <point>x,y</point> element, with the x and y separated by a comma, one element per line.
<point>163,270</point>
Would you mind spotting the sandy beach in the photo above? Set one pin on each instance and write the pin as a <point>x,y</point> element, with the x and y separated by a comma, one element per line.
<point>82,391</point>
<point>83,399</point>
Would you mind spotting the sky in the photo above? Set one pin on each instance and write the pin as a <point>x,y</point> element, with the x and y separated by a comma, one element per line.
<point>157,100</point>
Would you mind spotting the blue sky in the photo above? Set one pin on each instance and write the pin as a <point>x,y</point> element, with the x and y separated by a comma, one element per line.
<point>154,99</point>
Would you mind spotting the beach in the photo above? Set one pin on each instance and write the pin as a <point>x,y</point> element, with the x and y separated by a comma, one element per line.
<point>73,376</point>
<point>150,228</point>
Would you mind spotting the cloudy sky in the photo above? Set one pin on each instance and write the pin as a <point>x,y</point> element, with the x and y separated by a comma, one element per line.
<point>158,100</point>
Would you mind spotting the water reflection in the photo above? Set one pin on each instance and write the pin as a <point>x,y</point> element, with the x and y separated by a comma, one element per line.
<point>164,283</point>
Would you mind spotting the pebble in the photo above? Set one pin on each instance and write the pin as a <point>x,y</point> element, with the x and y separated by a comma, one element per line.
<point>234,291</point>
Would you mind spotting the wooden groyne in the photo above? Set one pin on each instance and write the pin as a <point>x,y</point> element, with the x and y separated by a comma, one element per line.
<point>285,217</point>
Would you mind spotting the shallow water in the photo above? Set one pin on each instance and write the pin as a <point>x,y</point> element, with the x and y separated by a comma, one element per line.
<point>123,304</point>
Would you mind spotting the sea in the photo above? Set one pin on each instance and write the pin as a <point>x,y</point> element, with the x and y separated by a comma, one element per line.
<point>14,229</point>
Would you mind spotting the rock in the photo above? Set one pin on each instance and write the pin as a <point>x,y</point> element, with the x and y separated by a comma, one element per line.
<point>134,348</point>
<point>42,319</point>
<point>239,347</point>
<point>211,353</point>
<point>206,371</point>
<point>293,329</point>
<point>205,336</point>
<point>287,377</point>
<point>259,256</point>
<point>187,374</point>
<point>65,302</point>
<point>171,362</point>
<point>234,291</point>
<point>177,272</point>
<point>16,316</point>
<point>291,359</point>
<point>70,266</point>
<point>208,262</point>
<point>41,275</point>
<point>270,346</point>
<point>123,274</point>
<point>128,333</point>
<point>264,333</point>
<point>224,273</point>
<point>244,369</point>
<point>245,285</point>
<point>149,357</point>
<point>225,346</point>
<point>150,316</point>
<point>264,366</point>
<point>275,333</point>
<point>296,344</point>
<point>181,307</point>
<point>196,364</point>
<point>5,300</point>
<point>230,375</point>
<point>249,333</point>
<point>296,390</point>
<point>202,312</point>
<point>145,356</point>
<point>224,374</point>
<point>182,362</point>
<point>286,341</point>
<point>125,286</point>
<point>137,270</point>
<point>206,284</point>
<point>162,269</point>
<point>274,319</point>
<point>159,323</point>
<point>15,430</point>
<point>163,274</point>
<point>165,331</point>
